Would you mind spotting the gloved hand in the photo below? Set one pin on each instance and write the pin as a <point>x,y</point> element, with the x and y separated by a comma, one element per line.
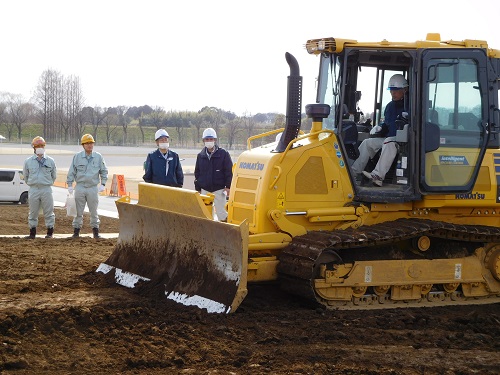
<point>376,129</point>
<point>70,189</point>
<point>101,188</point>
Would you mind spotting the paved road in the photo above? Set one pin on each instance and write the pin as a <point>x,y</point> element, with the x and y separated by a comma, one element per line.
<point>14,154</point>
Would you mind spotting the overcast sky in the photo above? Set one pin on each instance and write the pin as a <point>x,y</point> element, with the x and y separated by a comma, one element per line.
<point>183,55</point>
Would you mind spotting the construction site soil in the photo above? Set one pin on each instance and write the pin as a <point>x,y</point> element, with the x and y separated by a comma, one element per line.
<point>57,316</point>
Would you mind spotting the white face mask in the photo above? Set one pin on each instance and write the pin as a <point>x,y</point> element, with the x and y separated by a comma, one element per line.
<point>210,144</point>
<point>39,151</point>
<point>163,145</point>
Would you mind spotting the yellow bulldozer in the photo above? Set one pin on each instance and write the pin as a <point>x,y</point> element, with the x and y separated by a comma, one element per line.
<point>428,234</point>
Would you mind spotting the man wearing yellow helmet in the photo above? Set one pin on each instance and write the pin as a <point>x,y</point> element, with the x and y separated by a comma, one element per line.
<point>40,172</point>
<point>90,173</point>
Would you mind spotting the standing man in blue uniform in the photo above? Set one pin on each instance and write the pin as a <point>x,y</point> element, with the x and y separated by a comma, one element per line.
<point>90,173</point>
<point>40,172</point>
<point>213,172</point>
<point>163,166</point>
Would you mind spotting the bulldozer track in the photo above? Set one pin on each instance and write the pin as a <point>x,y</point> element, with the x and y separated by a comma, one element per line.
<point>298,266</point>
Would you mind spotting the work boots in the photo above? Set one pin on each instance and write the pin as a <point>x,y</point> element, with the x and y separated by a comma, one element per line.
<point>76,233</point>
<point>50,233</point>
<point>96,232</point>
<point>32,234</point>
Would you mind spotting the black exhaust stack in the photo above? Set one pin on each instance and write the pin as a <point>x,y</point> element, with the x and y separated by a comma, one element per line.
<point>293,104</point>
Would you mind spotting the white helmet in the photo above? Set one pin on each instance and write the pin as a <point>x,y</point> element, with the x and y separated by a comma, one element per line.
<point>397,81</point>
<point>161,133</point>
<point>209,133</point>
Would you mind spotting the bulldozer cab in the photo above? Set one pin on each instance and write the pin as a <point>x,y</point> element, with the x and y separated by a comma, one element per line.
<point>441,143</point>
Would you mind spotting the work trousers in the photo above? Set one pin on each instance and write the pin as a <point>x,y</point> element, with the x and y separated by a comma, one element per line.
<point>90,197</point>
<point>41,196</point>
<point>387,155</point>
<point>367,150</point>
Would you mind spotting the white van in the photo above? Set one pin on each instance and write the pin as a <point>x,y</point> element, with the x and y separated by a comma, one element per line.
<point>13,188</point>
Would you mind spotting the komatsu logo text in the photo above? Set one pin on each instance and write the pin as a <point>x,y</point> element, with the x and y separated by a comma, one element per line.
<point>253,166</point>
<point>470,196</point>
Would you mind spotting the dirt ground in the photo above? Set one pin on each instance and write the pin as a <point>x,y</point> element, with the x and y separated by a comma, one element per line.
<point>57,316</point>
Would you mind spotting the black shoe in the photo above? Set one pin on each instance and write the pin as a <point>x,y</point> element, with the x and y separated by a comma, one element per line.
<point>50,233</point>
<point>95,231</point>
<point>76,233</point>
<point>32,234</point>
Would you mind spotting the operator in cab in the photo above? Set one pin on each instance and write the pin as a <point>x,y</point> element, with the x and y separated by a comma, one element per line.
<point>383,136</point>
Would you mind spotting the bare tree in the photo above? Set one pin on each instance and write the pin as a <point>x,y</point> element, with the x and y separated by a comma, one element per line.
<point>46,97</point>
<point>218,118</point>
<point>157,117</point>
<point>140,114</point>
<point>123,121</point>
<point>179,121</point>
<point>93,116</point>
<point>74,103</point>
<point>60,102</point>
<point>142,124</point>
<point>248,123</point>
<point>234,127</point>
<point>19,112</point>
<point>3,112</point>
<point>197,122</point>
<point>4,115</point>
<point>110,123</point>
<point>62,125</point>
<point>213,117</point>
<point>279,122</point>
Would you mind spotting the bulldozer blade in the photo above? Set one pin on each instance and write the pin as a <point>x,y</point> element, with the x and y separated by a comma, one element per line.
<point>197,261</point>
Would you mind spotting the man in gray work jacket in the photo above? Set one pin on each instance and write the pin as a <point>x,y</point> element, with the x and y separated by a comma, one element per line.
<point>40,173</point>
<point>90,173</point>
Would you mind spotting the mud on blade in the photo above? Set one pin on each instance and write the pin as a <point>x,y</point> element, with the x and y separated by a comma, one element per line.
<point>199,261</point>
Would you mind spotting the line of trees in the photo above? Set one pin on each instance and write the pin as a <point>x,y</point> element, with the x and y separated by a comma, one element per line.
<point>58,104</point>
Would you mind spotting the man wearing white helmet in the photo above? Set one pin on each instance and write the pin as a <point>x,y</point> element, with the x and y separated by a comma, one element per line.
<point>90,173</point>
<point>213,172</point>
<point>163,166</point>
<point>383,136</point>
<point>40,172</point>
